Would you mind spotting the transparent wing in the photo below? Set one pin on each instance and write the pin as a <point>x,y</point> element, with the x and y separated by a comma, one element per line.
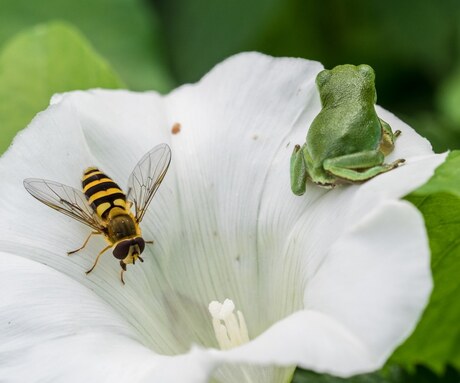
<point>64,199</point>
<point>146,178</point>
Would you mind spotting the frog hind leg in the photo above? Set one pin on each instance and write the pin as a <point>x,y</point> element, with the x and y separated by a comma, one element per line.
<point>299,171</point>
<point>359,167</point>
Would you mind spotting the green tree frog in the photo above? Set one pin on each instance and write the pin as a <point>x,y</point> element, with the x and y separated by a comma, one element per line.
<point>347,142</point>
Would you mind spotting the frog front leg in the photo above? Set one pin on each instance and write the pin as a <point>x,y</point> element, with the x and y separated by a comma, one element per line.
<point>358,167</point>
<point>299,170</point>
<point>388,138</point>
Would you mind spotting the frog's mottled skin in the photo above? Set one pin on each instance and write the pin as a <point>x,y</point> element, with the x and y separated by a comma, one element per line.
<point>347,142</point>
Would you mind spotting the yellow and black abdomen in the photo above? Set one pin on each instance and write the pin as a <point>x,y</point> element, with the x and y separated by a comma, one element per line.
<point>102,192</point>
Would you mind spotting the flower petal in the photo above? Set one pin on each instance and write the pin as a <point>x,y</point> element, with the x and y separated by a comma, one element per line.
<point>233,123</point>
<point>364,283</point>
<point>72,126</point>
<point>225,222</point>
<point>282,267</point>
<point>54,329</point>
<point>360,303</point>
<point>86,128</point>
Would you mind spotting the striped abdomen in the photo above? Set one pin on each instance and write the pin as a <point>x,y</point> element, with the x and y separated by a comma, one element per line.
<point>102,193</point>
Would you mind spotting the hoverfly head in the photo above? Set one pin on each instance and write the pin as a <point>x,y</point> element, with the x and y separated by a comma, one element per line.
<point>129,250</point>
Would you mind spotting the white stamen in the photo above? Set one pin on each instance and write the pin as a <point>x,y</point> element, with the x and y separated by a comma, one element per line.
<point>214,308</point>
<point>227,309</point>
<point>243,328</point>
<point>233,331</point>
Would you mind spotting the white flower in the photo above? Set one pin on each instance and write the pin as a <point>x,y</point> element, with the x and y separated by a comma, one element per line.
<point>331,281</point>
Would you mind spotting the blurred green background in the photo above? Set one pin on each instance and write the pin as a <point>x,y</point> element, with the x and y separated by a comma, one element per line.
<point>157,44</point>
<point>51,46</point>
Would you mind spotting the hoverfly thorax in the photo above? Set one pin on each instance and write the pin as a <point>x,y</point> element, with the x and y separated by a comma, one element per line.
<point>122,226</point>
<point>103,206</point>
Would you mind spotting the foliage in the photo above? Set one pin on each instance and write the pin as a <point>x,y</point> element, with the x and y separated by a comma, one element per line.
<point>124,31</point>
<point>39,62</point>
<point>391,374</point>
<point>436,341</point>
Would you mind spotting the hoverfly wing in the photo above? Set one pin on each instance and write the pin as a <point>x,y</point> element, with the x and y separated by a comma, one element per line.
<point>64,199</point>
<point>146,178</point>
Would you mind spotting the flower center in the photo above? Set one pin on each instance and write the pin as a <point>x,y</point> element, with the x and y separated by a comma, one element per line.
<point>230,331</point>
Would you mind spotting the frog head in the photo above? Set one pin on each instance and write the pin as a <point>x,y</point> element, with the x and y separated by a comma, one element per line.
<point>345,84</point>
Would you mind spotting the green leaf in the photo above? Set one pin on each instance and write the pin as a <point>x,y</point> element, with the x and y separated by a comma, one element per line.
<point>436,340</point>
<point>391,374</point>
<point>126,32</point>
<point>42,61</point>
<point>302,376</point>
<point>445,180</point>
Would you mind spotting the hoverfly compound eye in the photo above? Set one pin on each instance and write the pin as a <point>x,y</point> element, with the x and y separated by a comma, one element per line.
<point>122,249</point>
<point>141,243</point>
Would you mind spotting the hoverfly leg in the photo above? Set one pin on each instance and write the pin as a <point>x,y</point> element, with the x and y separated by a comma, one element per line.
<point>84,243</point>
<point>97,258</point>
<point>149,242</point>
<point>123,269</point>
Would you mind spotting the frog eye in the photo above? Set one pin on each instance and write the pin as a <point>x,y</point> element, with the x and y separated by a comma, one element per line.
<point>323,77</point>
<point>367,71</point>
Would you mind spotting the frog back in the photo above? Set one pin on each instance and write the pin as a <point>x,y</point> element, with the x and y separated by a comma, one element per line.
<point>343,129</point>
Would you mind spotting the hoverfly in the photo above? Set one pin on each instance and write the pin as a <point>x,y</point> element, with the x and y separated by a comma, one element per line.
<point>105,208</point>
